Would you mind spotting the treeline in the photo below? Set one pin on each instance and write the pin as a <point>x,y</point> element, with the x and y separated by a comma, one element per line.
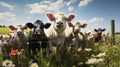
<point>3,26</point>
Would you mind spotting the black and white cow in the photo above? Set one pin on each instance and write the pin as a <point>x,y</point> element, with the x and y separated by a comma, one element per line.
<point>37,37</point>
<point>98,34</point>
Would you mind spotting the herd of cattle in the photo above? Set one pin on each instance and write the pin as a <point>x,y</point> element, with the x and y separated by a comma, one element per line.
<point>61,31</point>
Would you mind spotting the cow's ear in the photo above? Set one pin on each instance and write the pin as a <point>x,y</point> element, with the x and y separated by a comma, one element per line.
<point>88,33</point>
<point>25,27</point>
<point>50,16</point>
<point>11,27</point>
<point>81,33</point>
<point>95,30</point>
<point>103,29</point>
<point>47,25</point>
<point>29,25</point>
<point>84,25</point>
<point>1,37</point>
<point>70,17</point>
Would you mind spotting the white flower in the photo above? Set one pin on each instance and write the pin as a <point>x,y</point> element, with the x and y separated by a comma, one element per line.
<point>101,55</point>
<point>88,49</point>
<point>100,59</point>
<point>34,65</point>
<point>6,63</point>
<point>11,65</point>
<point>94,61</point>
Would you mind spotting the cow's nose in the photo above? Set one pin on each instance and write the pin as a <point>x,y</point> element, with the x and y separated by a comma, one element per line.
<point>60,23</point>
<point>19,32</point>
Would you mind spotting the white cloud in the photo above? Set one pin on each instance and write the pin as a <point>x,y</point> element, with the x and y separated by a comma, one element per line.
<point>6,5</point>
<point>96,19</point>
<point>69,2</point>
<point>28,17</point>
<point>7,16</point>
<point>45,6</point>
<point>70,8</point>
<point>84,3</point>
<point>81,21</point>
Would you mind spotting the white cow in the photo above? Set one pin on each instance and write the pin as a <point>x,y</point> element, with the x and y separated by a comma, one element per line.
<point>20,38</point>
<point>5,45</point>
<point>86,39</point>
<point>72,32</point>
<point>56,32</point>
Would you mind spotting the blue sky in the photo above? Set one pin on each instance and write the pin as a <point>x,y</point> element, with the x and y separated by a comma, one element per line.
<point>96,13</point>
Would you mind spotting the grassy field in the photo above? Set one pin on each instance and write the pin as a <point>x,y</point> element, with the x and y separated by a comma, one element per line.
<point>101,54</point>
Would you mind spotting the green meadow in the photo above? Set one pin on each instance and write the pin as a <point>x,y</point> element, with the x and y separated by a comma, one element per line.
<point>101,54</point>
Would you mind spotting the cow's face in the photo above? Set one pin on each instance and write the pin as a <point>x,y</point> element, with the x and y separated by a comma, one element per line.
<point>84,36</point>
<point>38,27</point>
<point>78,26</point>
<point>5,39</point>
<point>99,31</point>
<point>19,29</point>
<point>59,20</point>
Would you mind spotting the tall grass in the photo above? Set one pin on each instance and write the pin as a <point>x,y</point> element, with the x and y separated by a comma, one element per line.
<point>102,55</point>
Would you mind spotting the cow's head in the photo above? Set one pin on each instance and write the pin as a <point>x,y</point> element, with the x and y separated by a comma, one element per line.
<point>5,39</point>
<point>18,29</point>
<point>38,27</point>
<point>99,31</point>
<point>60,19</point>
<point>78,26</point>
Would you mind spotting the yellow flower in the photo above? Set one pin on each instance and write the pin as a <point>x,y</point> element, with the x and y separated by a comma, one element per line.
<point>73,66</point>
<point>7,62</point>
<point>79,49</point>
<point>34,65</point>
<point>101,55</point>
<point>88,49</point>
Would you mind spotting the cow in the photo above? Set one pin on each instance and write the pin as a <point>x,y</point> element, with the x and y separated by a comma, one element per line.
<point>37,37</point>
<point>56,32</point>
<point>98,34</point>
<point>6,46</point>
<point>20,38</point>
<point>72,33</point>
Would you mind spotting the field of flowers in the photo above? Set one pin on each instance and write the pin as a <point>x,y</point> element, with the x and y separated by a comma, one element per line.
<point>101,54</point>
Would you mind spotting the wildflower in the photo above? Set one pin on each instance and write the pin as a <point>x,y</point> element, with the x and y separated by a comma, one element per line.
<point>101,55</point>
<point>11,65</point>
<point>13,52</point>
<point>80,63</point>
<point>94,61</point>
<point>79,49</point>
<point>88,49</point>
<point>100,60</point>
<point>93,55</point>
<point>34,65</point>
<point>6,63</point>
<point>73,66</point>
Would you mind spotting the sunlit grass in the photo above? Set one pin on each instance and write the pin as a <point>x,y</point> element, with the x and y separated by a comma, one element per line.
<point>103,55</point>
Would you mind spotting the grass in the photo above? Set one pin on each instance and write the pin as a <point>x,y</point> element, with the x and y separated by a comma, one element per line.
<point>107,54</point>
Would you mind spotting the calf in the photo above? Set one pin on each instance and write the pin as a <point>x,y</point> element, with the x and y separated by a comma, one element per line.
<point>98,34</point>
<point>37,37</point>
<point>71,33</point>
<point>20,38</point>
<point>56,32</point>
<point>5,45</point>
